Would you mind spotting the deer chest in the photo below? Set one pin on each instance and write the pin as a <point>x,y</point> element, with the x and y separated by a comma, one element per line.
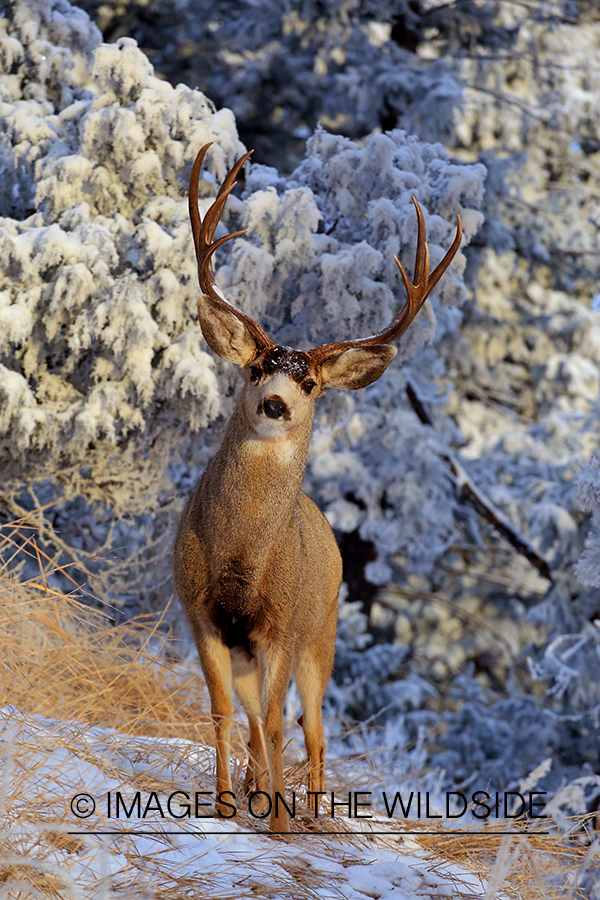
<point>236,608</point>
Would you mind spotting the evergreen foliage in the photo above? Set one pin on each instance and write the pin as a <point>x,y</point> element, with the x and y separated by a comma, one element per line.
<point>111,403</point>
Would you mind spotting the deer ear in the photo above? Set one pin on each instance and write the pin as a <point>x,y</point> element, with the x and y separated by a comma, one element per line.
<point>227,335</point>
<point>357,367</point>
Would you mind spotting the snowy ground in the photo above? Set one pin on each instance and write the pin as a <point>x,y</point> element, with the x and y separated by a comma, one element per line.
<point>89,709</point>
<point>46,848</point>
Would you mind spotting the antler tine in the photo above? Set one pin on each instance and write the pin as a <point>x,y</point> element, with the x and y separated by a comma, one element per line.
<point>441,267</point>
<point>422,254</point>
<point>203,232</point>
<point>195,220</point>
<point>417,292</point>
<point>211,219</point>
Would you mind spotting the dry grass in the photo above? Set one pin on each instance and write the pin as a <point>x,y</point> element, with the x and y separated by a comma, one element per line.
<point>105,690</point>
<point>529,863</point>
<point>59,657</point>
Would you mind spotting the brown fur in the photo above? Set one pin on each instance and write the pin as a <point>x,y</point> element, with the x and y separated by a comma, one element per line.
<point>252,547</point>
<point>256,564</point>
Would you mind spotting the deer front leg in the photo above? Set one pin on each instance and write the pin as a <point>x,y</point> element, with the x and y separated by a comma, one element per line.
<point>274,677</point>
<point>314,741</point>
<point>216,665</point>
<point>258,767</point>
<point>311,677</point>
<point>245,685</point>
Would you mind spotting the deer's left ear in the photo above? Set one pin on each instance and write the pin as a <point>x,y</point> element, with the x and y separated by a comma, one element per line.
<point>356,367</point>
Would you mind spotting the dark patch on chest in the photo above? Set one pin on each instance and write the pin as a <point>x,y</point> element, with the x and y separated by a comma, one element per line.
<point>235,609</point>
<point>295,364</point>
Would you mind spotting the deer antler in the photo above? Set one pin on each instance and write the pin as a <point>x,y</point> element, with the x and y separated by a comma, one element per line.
<point>417,290</point>
<point>203,231</point>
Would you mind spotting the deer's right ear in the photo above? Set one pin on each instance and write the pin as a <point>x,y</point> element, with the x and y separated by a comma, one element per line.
<point>227,335</point>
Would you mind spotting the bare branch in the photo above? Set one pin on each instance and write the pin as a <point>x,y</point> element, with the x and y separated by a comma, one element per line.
<point>466,489</point>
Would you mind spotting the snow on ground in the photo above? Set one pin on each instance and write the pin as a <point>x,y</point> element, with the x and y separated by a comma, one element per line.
<point>45,848</point>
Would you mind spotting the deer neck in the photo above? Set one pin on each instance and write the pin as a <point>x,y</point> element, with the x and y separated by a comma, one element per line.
<point>250,491</point>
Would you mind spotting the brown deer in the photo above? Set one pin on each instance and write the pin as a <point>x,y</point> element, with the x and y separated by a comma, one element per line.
<point>256,565</point>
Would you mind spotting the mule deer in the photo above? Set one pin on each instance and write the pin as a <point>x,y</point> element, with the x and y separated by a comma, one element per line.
<point>256,565</point>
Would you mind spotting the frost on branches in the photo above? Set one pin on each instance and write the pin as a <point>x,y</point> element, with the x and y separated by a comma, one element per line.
<point>283,68</point>
<point>111,404</point>
<point>102,373</point>
<point>372,465</point>
<point>588,568</point>
<point>106,386</point>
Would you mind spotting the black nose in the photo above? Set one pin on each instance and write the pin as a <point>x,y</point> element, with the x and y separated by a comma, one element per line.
<point>274,409</point>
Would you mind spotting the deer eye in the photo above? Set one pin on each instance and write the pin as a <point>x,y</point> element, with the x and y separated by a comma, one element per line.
<point>254,374</point>
<point>308,386</point>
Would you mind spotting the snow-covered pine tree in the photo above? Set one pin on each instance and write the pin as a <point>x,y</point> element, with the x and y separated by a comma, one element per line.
<point>107,387</point>
<point>511,391</point>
